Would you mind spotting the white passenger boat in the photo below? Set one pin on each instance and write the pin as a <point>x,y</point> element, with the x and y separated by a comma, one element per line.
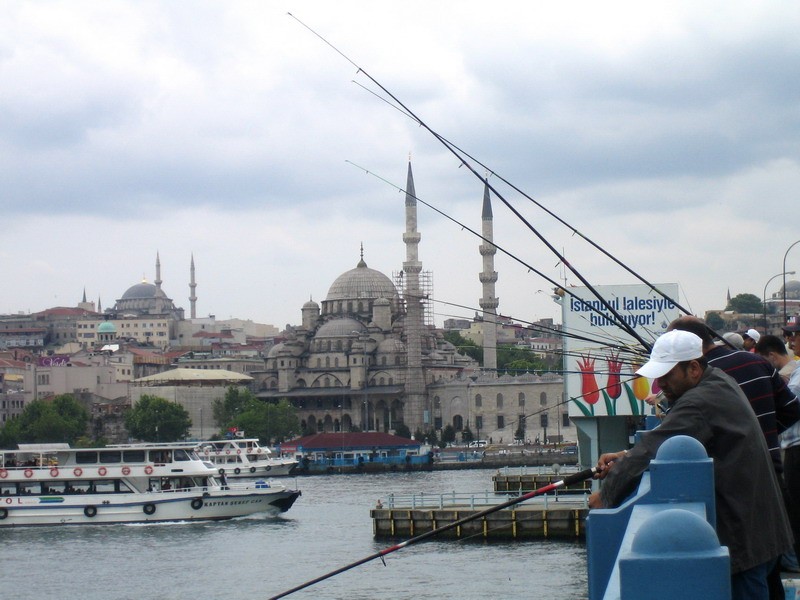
<point>244,457</point>
<point>53,484</point>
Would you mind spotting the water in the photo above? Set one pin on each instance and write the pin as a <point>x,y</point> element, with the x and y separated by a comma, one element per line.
<point>257,557</point>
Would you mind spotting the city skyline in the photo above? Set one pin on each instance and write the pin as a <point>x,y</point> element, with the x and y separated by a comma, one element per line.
<point>667,133</point>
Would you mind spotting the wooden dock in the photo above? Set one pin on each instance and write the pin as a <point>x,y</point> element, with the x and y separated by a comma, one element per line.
<point>520,483</point>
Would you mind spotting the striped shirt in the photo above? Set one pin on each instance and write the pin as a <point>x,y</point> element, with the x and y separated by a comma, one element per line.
<point>775,406</point>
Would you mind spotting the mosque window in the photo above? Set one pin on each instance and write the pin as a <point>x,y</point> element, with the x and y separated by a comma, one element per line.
<point>336,362</point>
<point>479,422</point>
<point>499,400</point>
<point>327,382</point>
<point>383,360</point>
<point>319,362</point>
<point>327,361</point>
<point>565,419</point>
<point>522,399</point>
<point>397,360</point>
<point>338,345</point>
<point>391,380</point>
<point>543,398</point>
<point>437,403</point>
<point>478,400</point>
<point>501,421</point>
<point>360,306</point>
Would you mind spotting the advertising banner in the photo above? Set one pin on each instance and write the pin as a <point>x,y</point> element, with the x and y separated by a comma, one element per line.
<point>596,362</point>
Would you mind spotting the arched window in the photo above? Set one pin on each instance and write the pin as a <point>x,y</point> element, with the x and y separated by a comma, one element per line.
<point>437,403</point>
<point>499,400</point>
<point>383,360</point>
<point>327,361</point>
<point>327,382</point>
<point>338,345</point>
<point>319,362</point>
<point>522,399</point>
<point>381,381</point>
<point>478,400</point>
<point>543,398</point>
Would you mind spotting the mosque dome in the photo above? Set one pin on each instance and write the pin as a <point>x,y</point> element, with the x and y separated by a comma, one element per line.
<point>337,328</point>
<point>361,282</point>
<point>141,291</point>
<point>792,287</point>
<point>311,304</point>
<point>107,327</point>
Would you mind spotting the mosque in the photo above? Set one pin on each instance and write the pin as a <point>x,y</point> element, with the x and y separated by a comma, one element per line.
<point>365,359</point>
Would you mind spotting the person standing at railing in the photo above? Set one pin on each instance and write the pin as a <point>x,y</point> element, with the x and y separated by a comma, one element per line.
<point>709,406</point>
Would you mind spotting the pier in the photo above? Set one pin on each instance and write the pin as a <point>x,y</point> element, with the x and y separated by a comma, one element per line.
<point>540,518</point>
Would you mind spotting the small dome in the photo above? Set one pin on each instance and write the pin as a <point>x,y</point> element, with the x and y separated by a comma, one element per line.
<point>338,328</point>
<point>106,327</point>
<point>275,350</point>
<point>792,286</point>
<point>382,302</point>
<point>311,304</point>
<point>361,282</point>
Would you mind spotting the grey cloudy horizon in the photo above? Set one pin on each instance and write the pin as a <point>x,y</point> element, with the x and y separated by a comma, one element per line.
<point>666,132</point>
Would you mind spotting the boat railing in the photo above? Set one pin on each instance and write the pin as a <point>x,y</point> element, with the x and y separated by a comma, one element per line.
<point>471,500</point>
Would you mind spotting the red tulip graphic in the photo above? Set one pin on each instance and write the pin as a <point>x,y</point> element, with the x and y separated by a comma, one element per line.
<point>613,387</point>
<point>589,389</point>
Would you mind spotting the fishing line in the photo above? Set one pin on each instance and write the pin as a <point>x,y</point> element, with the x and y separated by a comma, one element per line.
<point>514,257</point>
<point>621,323</point>
<point>568,480</point>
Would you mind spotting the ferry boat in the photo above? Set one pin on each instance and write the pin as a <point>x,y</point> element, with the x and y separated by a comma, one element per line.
<point>244,457</point>
<point>53,484</point>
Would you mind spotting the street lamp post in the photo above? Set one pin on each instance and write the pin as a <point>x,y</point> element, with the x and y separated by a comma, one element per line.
<point>784,279</point>
<point>764,297</point>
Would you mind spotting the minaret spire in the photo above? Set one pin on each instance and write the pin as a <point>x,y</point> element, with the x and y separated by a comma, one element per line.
<point>489,301</point>
<point>192,291</point>
<point>416,399</point>
<point>158,271</point>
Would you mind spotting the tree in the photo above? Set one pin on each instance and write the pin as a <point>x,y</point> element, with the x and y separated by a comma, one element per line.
<point>714,321</point>
<point>62,419</point>
<point>464,345</point>
<point>402,430</point>
<point>448,434</point>
<point>155,419</point>
<point>236,401</point>
<point>466,435</point>
<point>745,303</point>
<point>268,422</point>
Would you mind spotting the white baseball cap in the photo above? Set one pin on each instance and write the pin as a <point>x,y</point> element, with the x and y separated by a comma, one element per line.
<point>753,334</point>
<point>671,348</point>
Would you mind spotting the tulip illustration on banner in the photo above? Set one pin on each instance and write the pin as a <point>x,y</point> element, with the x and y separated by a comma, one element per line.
<point>637,393</point>
<point>589,390</point>
<point>613,388</point>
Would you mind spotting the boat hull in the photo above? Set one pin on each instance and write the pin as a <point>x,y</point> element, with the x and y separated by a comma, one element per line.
<point>142,508</point>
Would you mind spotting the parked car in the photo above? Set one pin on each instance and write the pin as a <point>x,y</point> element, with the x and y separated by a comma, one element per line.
<point>477,444</point>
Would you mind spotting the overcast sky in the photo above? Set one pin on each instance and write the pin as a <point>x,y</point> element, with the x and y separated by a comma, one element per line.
<point>666,132</point>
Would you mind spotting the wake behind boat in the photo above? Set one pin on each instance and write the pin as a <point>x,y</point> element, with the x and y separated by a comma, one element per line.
<point>244,457</point>
<point>53,484</point>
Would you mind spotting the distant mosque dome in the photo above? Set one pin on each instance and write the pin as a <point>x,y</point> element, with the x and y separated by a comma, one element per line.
<point>361,283</point>
<point>792,288</point>
<point>142,291</point>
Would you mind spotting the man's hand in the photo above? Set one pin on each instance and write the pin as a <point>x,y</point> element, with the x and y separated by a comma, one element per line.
<point>606,462</point>
<point>594,500</point>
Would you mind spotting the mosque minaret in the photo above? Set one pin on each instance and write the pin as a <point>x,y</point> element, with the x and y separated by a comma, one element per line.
<point>489,301</point>
<point>415,378</point>
<point>192,291</point>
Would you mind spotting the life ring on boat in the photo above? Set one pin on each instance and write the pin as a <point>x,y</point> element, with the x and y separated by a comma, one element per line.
<point>197,503</point>
<point>3,473</point>
<point>216,451</point>
<point>77,471</point>
<point>54,472</point>
<point>207,452</point>
<point>102,471</point>
<point>149,509</point>
<point>238,452</point>
<point>148,470</point>
<point>268,468</point>
<point>227,451</point>
<point>258,450</point>
<point>222,471</point>
<point>252,469</point>
<point>237,470</point>
<point>3,513</point>
<point>126,470</point>
<point>28,473</point>
<point>90,511</point>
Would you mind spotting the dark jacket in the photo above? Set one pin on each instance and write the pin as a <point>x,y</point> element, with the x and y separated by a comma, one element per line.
<point>751,518</point>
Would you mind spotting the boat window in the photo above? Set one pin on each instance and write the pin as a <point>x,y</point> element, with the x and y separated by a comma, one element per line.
<point>133,456</point>
<point>8,489</point>
<point>79,487</point>
<point>29,488</point>
<point>110,456</point>
<point>181,455</point>
<point>86,458</point>
<point>160,456</point>
<point>55,487</point>
<point>105,486</point>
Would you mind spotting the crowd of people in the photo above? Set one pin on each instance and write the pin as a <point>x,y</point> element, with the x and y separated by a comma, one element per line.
<point>741,402</point>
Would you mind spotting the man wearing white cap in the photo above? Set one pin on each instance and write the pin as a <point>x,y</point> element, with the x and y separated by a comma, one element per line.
<point>709,406</point>
<point>750,337</point>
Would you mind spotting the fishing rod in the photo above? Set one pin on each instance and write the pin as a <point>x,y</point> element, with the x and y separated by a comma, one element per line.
<point>569,480</point>
<point>514,257</point>
<point>574,231</point>
<point>620,321</point>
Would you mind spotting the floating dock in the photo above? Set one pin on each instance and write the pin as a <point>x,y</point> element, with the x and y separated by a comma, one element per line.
<point>535,519</point>
<point>515,481</point>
